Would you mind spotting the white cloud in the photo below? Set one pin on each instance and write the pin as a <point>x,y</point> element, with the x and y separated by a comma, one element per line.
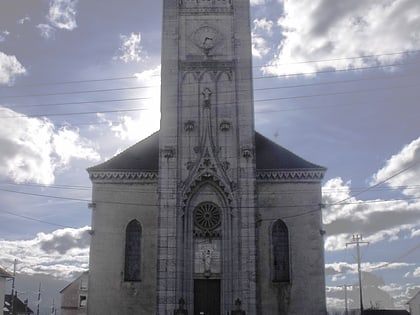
<point>259,46</point>
<point>33,149</point>
<point>3,35</point>
<point>62,14</point>
<point>62,253</point>
<point>416,272</point>
<point>263,25</point>
<point>10,68</point>
<point>130,49</point>
<point>24,20</point>
<point>144,122</point>
<point>330,29</point>
<point>408,161</point>
<point>262,29</point>
<point>341,268</point>
<point>374,219</point>
<point>47,31</point>
<point>258,2</point>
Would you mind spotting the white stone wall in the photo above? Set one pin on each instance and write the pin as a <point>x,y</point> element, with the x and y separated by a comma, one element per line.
<point>415,305</point>
<point>115,205</point>
<point>298,205</point>
<point>2,290</point>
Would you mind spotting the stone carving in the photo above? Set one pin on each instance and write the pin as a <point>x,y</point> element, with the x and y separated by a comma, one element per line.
<point>122,176</point>
<point>189,165</point>
<point>246,153</point>
<point>207,255</point>
<point>168,152</point>
<point>225,125</point>
<point>180,310</point>
<point>206,97</point>
<point>189,125</point>
<point>225,165</point>
<point>295,175</point>
<point>207,216</point>
<point>238,310</point>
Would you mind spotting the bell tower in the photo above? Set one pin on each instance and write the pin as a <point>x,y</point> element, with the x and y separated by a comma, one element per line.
<point>206,252</point>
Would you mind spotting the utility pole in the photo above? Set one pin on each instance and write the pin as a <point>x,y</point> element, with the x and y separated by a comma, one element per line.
<point>345,299</point>
<point>13,287</point>
<point>357,240</point>
<point>39,299</point>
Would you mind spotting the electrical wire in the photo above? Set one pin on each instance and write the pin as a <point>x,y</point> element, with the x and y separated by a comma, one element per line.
<point>254,66</point>
<point>157,204</point>
<point>381,78</point>
<point>36,219</point>
<point>341,202</point>
<point>289,191</point>
<point>190,106</point>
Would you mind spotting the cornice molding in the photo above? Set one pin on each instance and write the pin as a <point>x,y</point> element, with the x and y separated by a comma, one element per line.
<point>206,11</point>
<point>123,176</point>
<point>296,175</point>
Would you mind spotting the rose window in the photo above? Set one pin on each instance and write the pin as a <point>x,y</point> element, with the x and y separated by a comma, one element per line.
<point>207,216</point>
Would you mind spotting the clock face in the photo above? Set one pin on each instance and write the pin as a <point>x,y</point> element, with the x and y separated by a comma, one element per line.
<point>206,37</point>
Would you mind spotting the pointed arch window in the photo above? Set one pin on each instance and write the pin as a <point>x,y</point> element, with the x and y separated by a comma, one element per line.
<point>280,252</point>
<point>132,251</point>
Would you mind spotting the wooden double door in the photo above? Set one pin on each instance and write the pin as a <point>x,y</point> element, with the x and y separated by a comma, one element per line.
<point>207,297</point>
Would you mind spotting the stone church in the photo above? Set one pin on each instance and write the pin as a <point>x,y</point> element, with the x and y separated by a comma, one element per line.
<point>206,216</point>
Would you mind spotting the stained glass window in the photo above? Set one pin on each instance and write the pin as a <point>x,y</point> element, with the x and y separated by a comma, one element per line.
<point>132,251</point>
<point>280,252</point>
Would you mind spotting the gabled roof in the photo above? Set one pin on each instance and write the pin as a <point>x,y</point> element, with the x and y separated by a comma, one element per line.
<point>144,156</point>
<point>19,307</point>
<point>4,273</point>
<point>83,274</point>
<point>271,156</point>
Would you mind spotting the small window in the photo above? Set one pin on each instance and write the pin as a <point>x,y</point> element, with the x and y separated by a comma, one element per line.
<point>82,301</point>
<point>83,284</point>
<point>280,252</point>
<point>132,251</point>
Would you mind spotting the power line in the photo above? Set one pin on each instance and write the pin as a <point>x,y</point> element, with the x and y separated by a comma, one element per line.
<point>84,102</point>
<point>290,191</point>
<point>35,219</point>
<point>375,185</point>
<point>229,92</point>
<point>157,204</point>
<point>191,106</point>
<point>254,66</point>
<point>389,77</point>
<point>350,58</point>
<point>403,255</point>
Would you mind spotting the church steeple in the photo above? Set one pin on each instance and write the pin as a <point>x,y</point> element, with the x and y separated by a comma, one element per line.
<point>208,124</point>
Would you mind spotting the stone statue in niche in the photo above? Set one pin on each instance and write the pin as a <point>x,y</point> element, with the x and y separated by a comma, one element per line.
<point>180,310</point>
<point>207,255</point>
<point>206,97</point>
<point>238,310</point>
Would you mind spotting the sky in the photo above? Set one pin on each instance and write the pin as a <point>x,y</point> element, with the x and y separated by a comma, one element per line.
<point>336,82</point>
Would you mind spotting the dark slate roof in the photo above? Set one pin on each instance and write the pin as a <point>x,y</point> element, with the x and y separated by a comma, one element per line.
<point>144,156</point>
<point>19,307</point>
<point>271,156</point>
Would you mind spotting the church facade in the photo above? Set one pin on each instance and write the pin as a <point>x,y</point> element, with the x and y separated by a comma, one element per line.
<point>206,216</point>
